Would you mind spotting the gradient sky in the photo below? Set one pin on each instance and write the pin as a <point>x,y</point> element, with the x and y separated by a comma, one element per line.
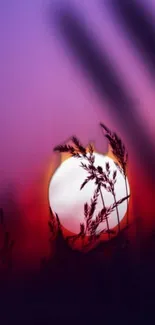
<point>45,97</point>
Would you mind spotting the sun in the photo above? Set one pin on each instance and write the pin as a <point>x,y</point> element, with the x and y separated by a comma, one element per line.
<point>67,200</point>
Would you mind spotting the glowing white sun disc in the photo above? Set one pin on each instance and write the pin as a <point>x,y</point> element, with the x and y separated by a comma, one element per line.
<point>68,201</point>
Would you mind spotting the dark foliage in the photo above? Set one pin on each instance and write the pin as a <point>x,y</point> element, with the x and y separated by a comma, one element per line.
<point>7,245</point>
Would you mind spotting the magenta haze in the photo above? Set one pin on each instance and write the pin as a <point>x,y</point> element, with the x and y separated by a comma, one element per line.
<point>44,98</point>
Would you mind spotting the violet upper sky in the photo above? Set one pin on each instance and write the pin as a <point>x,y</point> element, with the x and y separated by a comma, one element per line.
<point>45,98</point>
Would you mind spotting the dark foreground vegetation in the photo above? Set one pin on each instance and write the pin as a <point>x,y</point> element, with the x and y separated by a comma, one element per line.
<point>114,282</point>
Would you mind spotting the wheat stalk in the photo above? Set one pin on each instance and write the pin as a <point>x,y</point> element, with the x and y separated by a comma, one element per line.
<point>101,179</point>
<point>8,244</point>
<point>120,153</point>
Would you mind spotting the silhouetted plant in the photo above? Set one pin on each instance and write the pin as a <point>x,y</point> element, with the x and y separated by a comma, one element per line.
<point>56,234</point>
<point>55,231</point>
<point>7,246</point>
<point>90,225</point>
<point>120,153</point>
<point>53,224</point>
<point>101,179</point>
<point>1,216</point>
<point>94,173</point>
<point>55,227</point>
<point>78,151</point>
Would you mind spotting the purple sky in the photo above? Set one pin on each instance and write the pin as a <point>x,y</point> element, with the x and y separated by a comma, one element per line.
<point>45,98</point>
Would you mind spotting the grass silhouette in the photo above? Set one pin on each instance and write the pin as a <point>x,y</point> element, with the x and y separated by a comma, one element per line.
<point>102,180</point>
<point>120,153</point>
<point>7,245</point>
<point>88,229</point>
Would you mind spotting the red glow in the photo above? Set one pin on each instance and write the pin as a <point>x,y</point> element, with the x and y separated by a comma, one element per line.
<point>34,242</point>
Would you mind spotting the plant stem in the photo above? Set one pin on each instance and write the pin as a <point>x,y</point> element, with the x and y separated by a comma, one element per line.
<point>107,222</point>
<point>127,199</point>
<point>119,229</point>
<point>85,234</point>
